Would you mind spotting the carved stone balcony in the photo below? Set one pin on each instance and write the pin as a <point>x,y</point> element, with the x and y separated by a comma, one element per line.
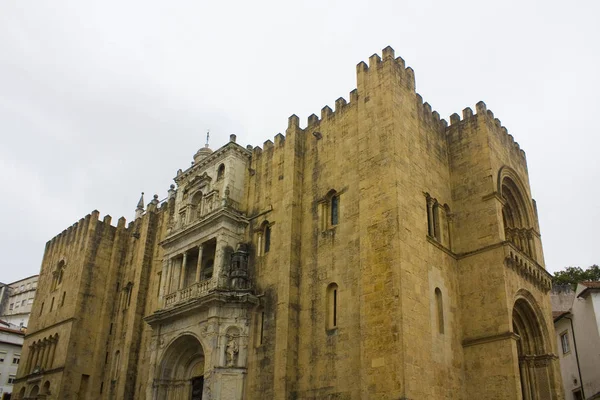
<point>191,292</point>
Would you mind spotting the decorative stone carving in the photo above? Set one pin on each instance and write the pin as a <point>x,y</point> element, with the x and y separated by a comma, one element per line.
<point>238,274</point>
<point>207,330</point>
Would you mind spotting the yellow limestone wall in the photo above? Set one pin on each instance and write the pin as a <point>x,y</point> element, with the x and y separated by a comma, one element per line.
<point>383,152</point>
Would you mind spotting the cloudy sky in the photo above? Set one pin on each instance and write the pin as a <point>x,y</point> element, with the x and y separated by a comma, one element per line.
<point>100,101</point>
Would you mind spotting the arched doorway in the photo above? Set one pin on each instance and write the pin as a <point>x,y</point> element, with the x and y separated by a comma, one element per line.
<point>534,359</point>
<point>181,372</point>
<point>34,392</point>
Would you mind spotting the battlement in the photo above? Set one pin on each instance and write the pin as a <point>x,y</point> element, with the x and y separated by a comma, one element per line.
<point>377,65</point>
<point>75,231</point>
<point>428,116</point>
<point>389,69</point>
<point>488,115</point>
<point>279,140</point>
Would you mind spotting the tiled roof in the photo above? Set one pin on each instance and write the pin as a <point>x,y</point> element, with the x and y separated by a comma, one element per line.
<point>556,315</point>
<point>591,285</point>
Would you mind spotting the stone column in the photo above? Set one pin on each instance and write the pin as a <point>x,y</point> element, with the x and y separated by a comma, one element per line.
<point>430,202</point>
<point>182,270</point>
<point>169,276</point>
<point>45,349</point>
<point>218,263</point>
<point>163,285</point>
<point>450,222</point>
<point>52,351</point>
<point>36,355</point>
<point>29,360</point>
<point>199,264</point>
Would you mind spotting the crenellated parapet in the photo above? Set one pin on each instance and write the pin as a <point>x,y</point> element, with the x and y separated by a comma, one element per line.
<point>495,125</point>
<point>279,140</point>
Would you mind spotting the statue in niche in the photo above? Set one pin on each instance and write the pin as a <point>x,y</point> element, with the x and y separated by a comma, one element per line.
<point>232,350</point>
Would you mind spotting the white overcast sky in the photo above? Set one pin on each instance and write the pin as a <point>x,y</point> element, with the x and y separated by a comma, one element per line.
<point>101,100</point>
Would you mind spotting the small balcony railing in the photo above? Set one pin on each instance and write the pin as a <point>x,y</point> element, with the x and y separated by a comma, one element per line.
<point>193,291</point>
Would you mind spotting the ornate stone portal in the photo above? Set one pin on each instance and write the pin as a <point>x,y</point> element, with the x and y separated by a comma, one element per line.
<point>200,332</point>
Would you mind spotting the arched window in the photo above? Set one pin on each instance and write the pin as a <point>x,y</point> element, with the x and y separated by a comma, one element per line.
<point>329,209</point>
<point>267,234</point>
<point>438,221</point>
<point>46,388</point>
<point>196,203</point>
<point>221,172</point>
<point>518,227</point>
<point>264,238</point>
<point>439,305</point>
<point>332,306</point>
<point>57,275</point>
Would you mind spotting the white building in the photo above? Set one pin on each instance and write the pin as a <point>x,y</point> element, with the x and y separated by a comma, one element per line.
<point>20,299</point>
<point>11,342</point>
<point>577,326</point>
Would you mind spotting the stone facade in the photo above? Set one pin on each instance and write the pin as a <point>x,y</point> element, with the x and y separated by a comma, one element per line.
<point>376,253</point>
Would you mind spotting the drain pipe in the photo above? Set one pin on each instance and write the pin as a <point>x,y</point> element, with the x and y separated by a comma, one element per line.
<point>576,355</point>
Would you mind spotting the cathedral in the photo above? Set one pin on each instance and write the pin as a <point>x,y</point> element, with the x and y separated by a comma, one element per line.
<point>379,252</point>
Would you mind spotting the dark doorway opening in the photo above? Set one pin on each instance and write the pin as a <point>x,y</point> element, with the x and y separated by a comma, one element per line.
<point>197,385</point>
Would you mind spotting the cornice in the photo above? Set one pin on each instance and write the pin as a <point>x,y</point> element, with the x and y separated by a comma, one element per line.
<point>210,219</point>
<point>214,297</point>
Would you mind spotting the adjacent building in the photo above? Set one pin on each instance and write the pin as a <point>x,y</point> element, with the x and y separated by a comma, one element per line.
<point>17,307</point>
<point>378,252</point>
<point>11,342</point>
<point>577,327</point>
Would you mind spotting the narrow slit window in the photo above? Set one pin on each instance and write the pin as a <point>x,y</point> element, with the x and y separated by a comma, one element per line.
<point>564,341</point>
<point>332,306</point>
<point>440,310</point>
<point>335,307</point>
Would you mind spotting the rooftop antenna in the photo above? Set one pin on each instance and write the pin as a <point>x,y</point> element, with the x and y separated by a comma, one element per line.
<point>207,137</point>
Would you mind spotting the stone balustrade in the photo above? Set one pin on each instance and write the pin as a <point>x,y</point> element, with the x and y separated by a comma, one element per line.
<point>190,292</point>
